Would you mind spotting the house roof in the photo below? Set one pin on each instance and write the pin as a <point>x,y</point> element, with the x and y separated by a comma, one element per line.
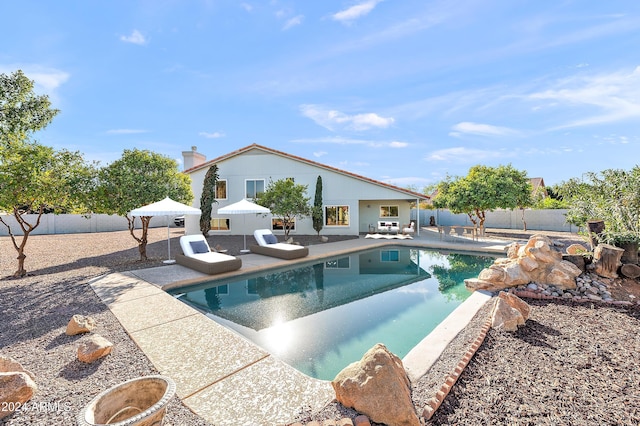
<point>303,160</point>
<point>537,184</point>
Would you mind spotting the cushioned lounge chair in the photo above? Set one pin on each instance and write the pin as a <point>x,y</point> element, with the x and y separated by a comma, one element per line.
<point>268,245</point>
<point>197,255</point>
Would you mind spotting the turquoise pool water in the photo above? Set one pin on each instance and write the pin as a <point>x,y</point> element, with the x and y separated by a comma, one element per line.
<point>319,317</point>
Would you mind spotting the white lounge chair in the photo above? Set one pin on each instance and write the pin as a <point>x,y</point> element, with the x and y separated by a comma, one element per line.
<point>410,229</point>
<point>268,245</point>
<point>197,255</point>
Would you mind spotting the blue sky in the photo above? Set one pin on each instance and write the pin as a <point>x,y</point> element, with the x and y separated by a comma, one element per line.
<point>402,91</point>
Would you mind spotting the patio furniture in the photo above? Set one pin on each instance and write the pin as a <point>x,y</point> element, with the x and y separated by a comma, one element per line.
<point>197,255</point>
<point>409,229</point>
<point>388,226</point>
<point>268,245</point>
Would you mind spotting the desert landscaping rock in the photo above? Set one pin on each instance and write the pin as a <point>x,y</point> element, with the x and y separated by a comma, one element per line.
<point>16,388</point>
<point>377,386</point>
<point>94,348</point>
<point>79,324</point>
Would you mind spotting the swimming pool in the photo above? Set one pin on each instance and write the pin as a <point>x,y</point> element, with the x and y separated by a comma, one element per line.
<point>319,317</point>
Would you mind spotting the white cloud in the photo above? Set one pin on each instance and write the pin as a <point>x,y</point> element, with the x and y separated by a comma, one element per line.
<point>398,144</point>
<point>467,127</point>
<point>356,11</point>
<point>126,131</point>
<point>614,96</point>
<point>213,135</point>
<point>247,7</point>
<point>339,140</point>
<point>319,154</point>
<point>333,120</point>
<point>136,37</point>
<point>296,20</point>
<point>463,155</point>
<point>46,80</point>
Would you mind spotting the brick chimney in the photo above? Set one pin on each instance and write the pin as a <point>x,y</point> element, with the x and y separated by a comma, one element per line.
<point>192,158</point>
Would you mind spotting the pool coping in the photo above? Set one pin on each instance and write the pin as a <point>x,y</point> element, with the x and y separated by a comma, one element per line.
<point>243,384</point>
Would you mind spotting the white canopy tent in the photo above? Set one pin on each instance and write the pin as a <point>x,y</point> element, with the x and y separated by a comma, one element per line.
<point>243,207</point>
<point>169,208</point>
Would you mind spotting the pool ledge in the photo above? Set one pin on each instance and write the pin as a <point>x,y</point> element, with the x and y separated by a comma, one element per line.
<point>219,374</point>
<point>223,377</point>
<point>420,359</point>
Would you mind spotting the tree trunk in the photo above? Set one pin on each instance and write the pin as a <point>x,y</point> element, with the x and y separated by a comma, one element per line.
<point>630,270</point>
<point>595,228</point>
<point>21,272</point>
<point>606,260</point>
<point>630,254</point>
<point>142,241</point>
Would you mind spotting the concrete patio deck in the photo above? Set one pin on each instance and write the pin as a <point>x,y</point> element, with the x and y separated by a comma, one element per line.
<point>223,377</point>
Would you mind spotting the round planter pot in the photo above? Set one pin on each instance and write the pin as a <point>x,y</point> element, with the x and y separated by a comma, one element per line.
<point>138,402</point>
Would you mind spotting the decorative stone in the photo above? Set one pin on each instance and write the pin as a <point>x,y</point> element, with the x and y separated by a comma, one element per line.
<point>537,261</point>
<point>94,348</point>
<point>17,385</point>
<point>378,387</point>
<point>80,324</point>
<point>505,317</point>
<point>324,238</point>
<point>16,388</point>
<point>10,365</point>
<point>517,303</point>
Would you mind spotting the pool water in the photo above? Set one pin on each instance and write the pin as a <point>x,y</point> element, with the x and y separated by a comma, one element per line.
<point>320,317</point>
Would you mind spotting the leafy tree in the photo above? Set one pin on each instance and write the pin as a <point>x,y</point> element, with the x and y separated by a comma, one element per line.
<point>484,189</point>
<point>22,112</point>
<point>37,179</point>
<point>613,196</point>
<point>138,178</point>
<point>207,198</point>
<point>316,214</point>
<point>286,199</point>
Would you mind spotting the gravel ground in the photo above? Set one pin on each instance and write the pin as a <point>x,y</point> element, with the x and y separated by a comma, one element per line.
<point>573,364</point>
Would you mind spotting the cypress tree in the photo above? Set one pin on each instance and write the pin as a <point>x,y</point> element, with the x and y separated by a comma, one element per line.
<point>207,198</point>
<point>316,214</point>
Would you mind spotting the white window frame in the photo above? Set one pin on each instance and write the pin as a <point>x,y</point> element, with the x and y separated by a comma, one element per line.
<point>226,190</point>
<point>337,206</point>
<point>389,207</point>
<point>256,193</point>
<point>273,228</point>
<point>219,219</point>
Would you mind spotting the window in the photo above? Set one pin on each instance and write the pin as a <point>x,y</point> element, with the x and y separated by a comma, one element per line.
<point>389,211</point>
<point>389,256</point>
<point>336,215</point>
<point>254,187</point>
<point>277,224</point>
<point>341,263</point>
<point>219,224</point>
<point>221,190</point>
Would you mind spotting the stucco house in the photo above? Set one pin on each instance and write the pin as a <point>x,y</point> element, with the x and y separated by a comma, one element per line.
<point>352,204</point>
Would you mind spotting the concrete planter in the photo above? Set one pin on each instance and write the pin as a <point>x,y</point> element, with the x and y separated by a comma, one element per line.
<point>136,402</point>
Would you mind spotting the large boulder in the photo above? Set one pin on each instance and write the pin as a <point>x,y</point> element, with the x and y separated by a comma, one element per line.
<point>509,312</point>
<point>17,385</point>
<point>537,261</point>
<point>378,387</point>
